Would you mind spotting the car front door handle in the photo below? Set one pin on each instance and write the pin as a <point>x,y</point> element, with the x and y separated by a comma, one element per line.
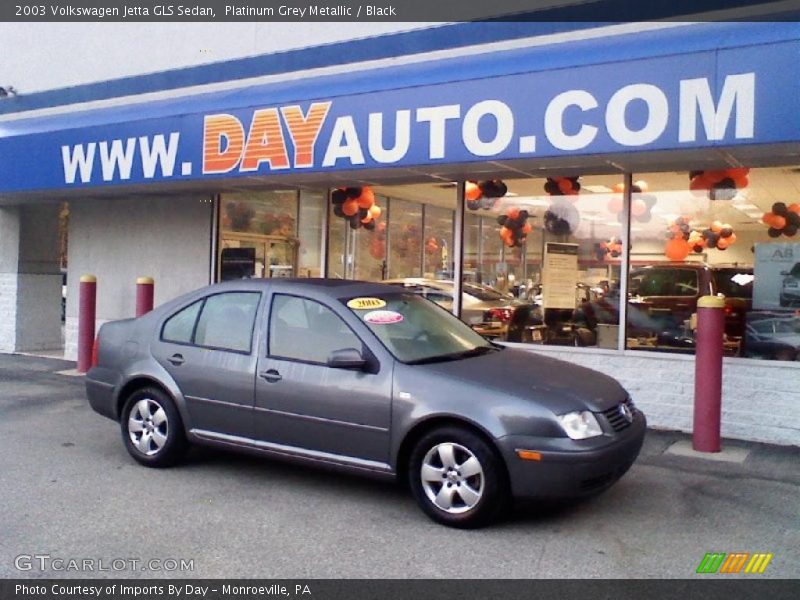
<point>271,376</point>
<point>177,359</point>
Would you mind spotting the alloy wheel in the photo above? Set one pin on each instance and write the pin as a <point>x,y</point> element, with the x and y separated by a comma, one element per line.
<point>148,426</point>
<point>452,478</point>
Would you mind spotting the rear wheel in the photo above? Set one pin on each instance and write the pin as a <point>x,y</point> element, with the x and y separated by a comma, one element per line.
<point>457,478</point>
<point>152,429</point>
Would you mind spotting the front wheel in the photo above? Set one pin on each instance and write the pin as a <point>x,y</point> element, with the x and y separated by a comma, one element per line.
<point>457,478</point>
<point>152,429</point>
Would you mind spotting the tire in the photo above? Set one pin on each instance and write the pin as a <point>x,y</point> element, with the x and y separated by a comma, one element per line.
<point>478,496</point>
<point>152,429</point>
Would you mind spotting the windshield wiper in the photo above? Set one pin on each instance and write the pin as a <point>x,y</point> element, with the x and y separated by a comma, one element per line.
<point>477,351</point>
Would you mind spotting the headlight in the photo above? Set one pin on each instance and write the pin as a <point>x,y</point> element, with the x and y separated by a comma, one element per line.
<point>580,425</point>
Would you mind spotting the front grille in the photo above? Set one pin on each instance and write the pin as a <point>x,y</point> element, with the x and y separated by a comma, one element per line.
<point>615,417</point>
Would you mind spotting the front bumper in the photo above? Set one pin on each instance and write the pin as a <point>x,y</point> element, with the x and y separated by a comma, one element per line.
<point>571,468</point>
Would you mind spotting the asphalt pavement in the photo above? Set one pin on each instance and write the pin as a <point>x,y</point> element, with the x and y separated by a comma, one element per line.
<point>69,491</point>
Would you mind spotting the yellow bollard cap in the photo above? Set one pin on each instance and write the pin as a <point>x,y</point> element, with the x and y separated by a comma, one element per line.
<point>144,281</point>
<point>717,301</point>
<point>88,279</point>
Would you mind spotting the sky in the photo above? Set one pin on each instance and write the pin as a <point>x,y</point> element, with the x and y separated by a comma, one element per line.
<point>41,56</point>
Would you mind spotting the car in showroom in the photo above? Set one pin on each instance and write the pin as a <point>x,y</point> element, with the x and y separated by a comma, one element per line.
<point>487,310</point>
<point>773,337</point>
<point>367,378</point>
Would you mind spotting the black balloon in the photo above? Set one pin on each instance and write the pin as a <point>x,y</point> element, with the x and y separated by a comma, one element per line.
<point>338,196</point>
<point>354,192</point>
<point>779,208</point>
<point>790,230</point>
<point>773,233</point>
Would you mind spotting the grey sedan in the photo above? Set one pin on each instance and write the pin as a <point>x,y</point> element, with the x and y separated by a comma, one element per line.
<point>366,378</point>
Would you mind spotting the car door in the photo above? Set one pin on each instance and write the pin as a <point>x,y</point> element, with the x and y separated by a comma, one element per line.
<point>304,404</point>
<point>208,349</point>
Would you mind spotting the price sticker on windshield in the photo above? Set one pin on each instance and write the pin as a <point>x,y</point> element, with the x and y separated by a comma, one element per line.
<point>366,303</point>
<point>383,317</point>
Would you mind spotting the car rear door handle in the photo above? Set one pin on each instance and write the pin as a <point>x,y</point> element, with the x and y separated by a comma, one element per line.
<point>271,376</point>
<point>177,359</point>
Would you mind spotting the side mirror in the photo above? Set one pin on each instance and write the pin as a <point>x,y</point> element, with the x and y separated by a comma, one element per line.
<point>346,358</point>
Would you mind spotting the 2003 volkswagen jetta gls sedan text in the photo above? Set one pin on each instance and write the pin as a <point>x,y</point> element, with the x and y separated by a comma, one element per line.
<point>368,378</point>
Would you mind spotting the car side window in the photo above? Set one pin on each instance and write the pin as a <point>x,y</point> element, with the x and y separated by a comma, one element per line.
<point>226,321</point>
<point>180,326</point>
<point>305,330</point>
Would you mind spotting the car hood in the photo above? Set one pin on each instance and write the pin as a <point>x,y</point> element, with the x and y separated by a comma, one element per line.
<point>554,384</point>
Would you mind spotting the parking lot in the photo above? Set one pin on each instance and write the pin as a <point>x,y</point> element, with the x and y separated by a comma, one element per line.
<point>69,490</point>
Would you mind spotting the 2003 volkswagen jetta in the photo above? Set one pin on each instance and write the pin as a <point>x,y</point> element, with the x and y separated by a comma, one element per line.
<point>367,378</point>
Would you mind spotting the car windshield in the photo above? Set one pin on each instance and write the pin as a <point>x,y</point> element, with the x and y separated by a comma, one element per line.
<point>416,331</point>
<point>795,272</point>
<point>735,283</point>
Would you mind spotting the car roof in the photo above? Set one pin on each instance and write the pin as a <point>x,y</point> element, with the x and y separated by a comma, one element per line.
<point>337,288</point>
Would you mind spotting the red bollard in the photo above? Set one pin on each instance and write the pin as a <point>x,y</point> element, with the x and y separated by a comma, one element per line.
<point>144,295</point>
<point>87,313</point>
<point>708,374</point>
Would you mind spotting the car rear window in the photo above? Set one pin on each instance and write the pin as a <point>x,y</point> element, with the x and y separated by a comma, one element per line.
<point>486,294</point>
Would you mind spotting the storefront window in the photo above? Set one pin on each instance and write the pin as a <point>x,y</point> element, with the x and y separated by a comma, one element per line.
<point>260,235</point>
<point>544,260</point>
<point>438,242</point>
<point>730,232</point>
<point>309,258</point>
<point>405,239</point>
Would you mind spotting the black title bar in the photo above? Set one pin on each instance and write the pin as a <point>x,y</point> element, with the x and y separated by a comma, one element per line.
<point>393,10</point>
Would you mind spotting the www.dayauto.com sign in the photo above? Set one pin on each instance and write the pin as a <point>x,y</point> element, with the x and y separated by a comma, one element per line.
<point>741,96</point>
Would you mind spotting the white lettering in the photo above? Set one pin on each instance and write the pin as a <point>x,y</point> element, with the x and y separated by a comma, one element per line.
<point>696,95</point>
<point>554,120</point>
<point>657,114</point>
<point>437,116</point>
<point>117,158</point>
<point>344,143</point>
<point>402,129</point>
<point>159,154</point>
<point>80,158</point>
<point>504,119</point>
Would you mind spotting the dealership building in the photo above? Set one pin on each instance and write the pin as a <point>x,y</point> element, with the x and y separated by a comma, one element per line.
<point>607,174</point>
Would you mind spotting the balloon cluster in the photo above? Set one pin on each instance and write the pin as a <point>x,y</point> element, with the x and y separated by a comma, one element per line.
<point>561,218</point>
<point>238,216</point>
<point>431,245</point>
<point>484,194</point>
<point>514,228</point>
<point>611,247</point>
<point>720,185</point>
<point>682,239</point>
<point>641,205</point>
<point>783,220</point>
<point>562,186</point>
<point>377,242</point>
<point>357,205</point>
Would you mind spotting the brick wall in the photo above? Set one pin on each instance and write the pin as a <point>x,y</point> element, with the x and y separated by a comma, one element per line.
<point>760,399</point>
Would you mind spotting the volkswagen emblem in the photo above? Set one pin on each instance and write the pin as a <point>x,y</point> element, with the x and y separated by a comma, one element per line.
<point>626,412</point>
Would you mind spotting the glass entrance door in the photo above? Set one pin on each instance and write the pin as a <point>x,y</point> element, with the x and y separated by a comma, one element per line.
<point>248,255</point>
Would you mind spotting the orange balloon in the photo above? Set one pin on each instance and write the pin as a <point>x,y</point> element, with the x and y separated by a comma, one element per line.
<point>367,198</point>
<point>723,243</point>
<point>778,222</point>
<point>767,218</point>
<point>731,239</point>
<point>677,249</point>
<point>472,191</point>
<point>375,211</point>
<point>565,186</point>
<point>513,213</point>
<point>795,208</point>
<point>350,207</point>
<point>526,229</point>
<point>367,219</point>
<point>741,182</point>
<point>619,188</point>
